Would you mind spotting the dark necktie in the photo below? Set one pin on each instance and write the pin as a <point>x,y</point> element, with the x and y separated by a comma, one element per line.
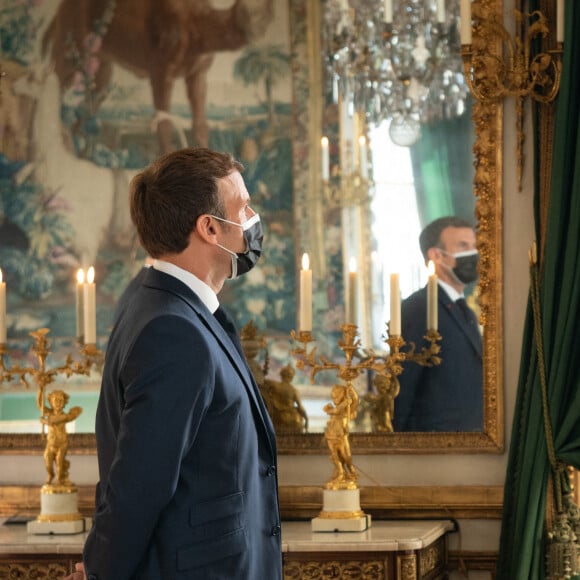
<point>228,325</point>
<point>468,314</point>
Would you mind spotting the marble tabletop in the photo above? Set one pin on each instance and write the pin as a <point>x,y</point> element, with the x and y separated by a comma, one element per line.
<point>384,536</point>
<point>14,539</point>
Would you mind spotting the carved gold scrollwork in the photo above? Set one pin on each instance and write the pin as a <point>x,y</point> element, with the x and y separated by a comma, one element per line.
<point>430,558</point>
<point>355,570</point>
<point>34,570</point>
<point>406,567</point>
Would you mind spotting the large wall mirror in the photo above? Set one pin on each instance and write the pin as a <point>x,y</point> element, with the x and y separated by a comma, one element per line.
<point>382,233</point>
<point>478,176</point>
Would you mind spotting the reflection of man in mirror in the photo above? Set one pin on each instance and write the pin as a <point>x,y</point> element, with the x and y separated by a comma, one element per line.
<point>448,397</point>
<point>57,440</point>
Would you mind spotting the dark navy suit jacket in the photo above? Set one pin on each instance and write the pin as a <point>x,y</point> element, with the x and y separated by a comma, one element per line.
<point>448,397</point>
<point>187,453</point>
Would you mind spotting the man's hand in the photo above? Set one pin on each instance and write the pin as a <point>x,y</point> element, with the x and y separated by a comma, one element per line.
<point>78,574</point>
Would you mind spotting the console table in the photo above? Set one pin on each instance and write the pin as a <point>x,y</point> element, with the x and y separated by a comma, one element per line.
<point>394,549</point>
<point>401,550</point>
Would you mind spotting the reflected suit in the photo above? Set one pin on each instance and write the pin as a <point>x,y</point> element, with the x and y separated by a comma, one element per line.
<point>192,493</point>
<point>448,397</point>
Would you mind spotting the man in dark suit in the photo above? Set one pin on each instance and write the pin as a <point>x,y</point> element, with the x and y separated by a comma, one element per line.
<point>448,397</point>
<point>187,453</point>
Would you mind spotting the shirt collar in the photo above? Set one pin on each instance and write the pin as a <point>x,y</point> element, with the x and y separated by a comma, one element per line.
<point>451,292</point>
<point>201,289</point>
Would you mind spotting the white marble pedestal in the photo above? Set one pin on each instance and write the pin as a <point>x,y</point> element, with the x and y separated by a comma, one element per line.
<point>59,512</point>
<point>341,512</point>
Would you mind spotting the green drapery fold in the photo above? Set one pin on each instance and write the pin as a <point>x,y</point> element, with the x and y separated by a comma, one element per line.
<point>443,186</point>
<point>523,542</point>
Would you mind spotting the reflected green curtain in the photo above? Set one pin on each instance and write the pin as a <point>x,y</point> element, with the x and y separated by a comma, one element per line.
<point>523,544</point>
<point>442,161</point>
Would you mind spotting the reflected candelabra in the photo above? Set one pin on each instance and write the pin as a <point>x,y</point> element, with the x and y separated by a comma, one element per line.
<point>349,185</point>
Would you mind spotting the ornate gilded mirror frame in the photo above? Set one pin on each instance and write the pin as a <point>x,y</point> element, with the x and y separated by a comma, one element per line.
<point>305,27</point>
<point>488,152</point>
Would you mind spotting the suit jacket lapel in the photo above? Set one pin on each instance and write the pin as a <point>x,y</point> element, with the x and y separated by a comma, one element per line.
<point>471,331</point>
<point>230,345</point>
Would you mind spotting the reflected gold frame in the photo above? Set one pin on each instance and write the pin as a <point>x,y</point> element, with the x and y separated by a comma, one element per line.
<point>488,148</point>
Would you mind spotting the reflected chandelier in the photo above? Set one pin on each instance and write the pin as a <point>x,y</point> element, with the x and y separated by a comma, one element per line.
<point>396,60</point>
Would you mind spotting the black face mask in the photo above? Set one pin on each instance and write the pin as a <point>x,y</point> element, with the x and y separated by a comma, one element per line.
<point>465,270</point>
<point>243,262</point>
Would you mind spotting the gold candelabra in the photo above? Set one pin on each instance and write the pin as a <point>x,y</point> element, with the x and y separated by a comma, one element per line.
<point>516,69</point>
<point>42,377</point>
<point>344,407</point>
<point>349,185</point>
<point>346,190</point>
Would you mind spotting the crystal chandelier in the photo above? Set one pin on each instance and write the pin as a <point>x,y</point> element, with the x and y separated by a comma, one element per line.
<point>396,60</point>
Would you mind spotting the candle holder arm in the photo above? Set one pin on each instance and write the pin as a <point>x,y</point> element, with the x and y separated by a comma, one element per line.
<point>428,355</point>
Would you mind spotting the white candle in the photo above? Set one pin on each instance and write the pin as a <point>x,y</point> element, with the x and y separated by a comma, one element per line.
<point>363,153</point>
<point>440,10</point>
<point>465,12</point>
<point>560,11</point>
<point>395,322</point>
<point>90,309</point>
<point>80,290</point>
<point>351,304</point>
<point>325,159</point>
<point>305,295</point>
<point>388,11</point>
<point>432,312</point>
<point>2,310</point>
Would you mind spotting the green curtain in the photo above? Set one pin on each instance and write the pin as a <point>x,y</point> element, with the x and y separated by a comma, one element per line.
<point>523,543</point>
<point>443,172</point>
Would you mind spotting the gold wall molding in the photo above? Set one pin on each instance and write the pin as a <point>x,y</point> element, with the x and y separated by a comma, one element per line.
<point>385,502</point>
<point>305,501</point>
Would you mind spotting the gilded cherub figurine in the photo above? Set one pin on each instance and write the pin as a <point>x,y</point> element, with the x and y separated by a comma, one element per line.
<point>341,411</point>
<point>55,418</point>
<point>288,414</point>
<point>382,403</point>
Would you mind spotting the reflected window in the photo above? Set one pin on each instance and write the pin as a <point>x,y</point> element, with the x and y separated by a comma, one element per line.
<point>395,227</point>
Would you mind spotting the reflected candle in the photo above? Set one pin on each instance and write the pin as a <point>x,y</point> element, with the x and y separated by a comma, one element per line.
<point>305,295</point>
<point>2,310</point>
<point>80,289</point>
<point>325,159</point>
<point>395,322</point>
<point>363,154</point>
<point>432,313</point>
<point>465,21</point>
<point>351,305</point>
<point>90,309</point>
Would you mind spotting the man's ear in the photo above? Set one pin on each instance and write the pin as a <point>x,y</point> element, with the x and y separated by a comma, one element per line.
<point>434,254</point>
<point>205,229</point>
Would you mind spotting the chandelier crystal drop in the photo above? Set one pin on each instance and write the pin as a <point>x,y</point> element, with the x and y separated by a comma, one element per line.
<point>395,60</point>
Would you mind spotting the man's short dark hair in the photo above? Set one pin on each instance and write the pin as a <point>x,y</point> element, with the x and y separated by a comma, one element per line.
<point>431,235</point>
<point>167,198</point>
